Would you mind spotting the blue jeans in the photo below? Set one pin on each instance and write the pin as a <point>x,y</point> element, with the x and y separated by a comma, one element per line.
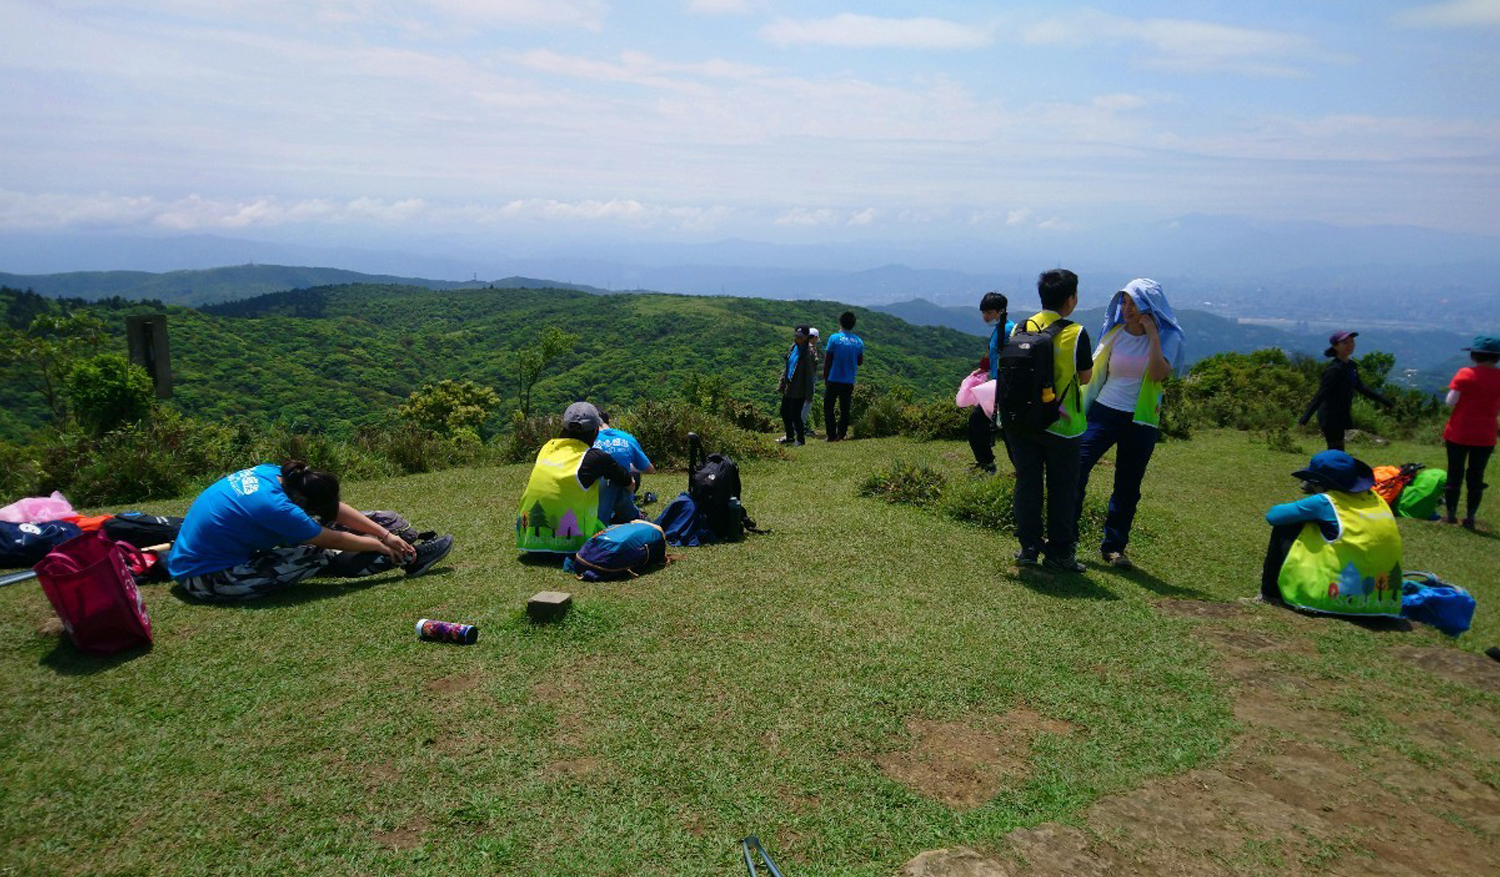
<point>1051,460</point>
<point>1109,427</point>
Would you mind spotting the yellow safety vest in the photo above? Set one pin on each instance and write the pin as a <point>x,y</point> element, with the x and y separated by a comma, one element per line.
<point>1070,420</point>
<point>557,513</point>
<point>1147,401</point>
<point>1358,573</point>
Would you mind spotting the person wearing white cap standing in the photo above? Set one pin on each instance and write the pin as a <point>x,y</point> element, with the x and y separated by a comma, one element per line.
<point>1336,391</point>
<point>817,358</point>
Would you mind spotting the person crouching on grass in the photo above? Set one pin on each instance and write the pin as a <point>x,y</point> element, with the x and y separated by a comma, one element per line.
<point>1338,550</point>
<point>261,530</point>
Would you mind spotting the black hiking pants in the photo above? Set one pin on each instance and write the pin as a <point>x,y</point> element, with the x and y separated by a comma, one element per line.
<point>791,418</point>
<point>1282,537</point>
<point>1466,465</point>
<point>843,394</point>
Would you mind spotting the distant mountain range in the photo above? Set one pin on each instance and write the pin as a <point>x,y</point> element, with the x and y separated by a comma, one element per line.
<point>1426,355</point>
<point>1297,271</point>
<point>215,285</point>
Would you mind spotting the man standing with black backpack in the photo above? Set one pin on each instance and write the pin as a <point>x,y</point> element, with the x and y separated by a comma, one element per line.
<point>1038,395</point>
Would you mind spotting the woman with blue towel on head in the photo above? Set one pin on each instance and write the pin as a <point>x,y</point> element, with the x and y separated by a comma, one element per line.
<point>1139,348</point>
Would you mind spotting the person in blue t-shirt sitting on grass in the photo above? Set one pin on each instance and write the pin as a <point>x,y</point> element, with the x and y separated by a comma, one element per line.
<point>261,530</point>
<point>846,353</point>
<point>626,450</point>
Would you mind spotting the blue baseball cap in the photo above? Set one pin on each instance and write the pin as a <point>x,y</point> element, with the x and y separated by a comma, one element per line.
<point>1485,344</point>
<point>1338,470</point>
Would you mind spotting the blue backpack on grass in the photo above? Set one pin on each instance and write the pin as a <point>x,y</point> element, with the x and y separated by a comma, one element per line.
<point>621,551</point>
<point>1430,600</point>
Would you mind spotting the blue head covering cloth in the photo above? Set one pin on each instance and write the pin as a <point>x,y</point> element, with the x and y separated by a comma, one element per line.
<point>1149,299</point>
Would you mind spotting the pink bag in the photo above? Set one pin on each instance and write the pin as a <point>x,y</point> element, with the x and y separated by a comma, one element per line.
<point>88,582</point>
<point>36,509</point>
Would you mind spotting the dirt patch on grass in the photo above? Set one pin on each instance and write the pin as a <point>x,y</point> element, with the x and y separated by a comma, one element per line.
<point>1465,668</point>
<point>1299,791</point>
<point>405,838</point>
<point>449,685</point>
<point>965,764</point>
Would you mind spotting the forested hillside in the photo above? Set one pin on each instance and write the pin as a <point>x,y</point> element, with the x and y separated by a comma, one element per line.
<point>333,358</point>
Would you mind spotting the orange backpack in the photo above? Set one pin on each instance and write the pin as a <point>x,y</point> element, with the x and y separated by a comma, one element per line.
<point>1391,480</point>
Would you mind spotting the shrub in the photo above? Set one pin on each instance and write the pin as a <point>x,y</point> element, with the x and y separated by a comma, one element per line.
<point>662,429</point>
<point>882,415</point>
<point>983,502</point>
<point>906,483</point>
<point>527,435</point>
<point>935,419</point>
<point>412,449</point>
<point>449,406</point>
<point>107,391</point>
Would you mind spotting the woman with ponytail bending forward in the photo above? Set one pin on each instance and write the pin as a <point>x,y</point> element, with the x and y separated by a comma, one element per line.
<point>261,530</point>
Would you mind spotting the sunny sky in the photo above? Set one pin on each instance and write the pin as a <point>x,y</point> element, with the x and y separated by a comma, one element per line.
<point>699,120</point>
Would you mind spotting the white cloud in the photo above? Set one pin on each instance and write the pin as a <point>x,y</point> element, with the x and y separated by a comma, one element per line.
<point>805,216</point>
<point>297,14</point>
<point>719,7</point>
<point>1454,13</point>
<point>20,210</point>
<point>1184,45</point>
<point>1018,217</point>
<point>864,217</point>
<point>625,211</point>
<point>637,68</point>
<point>867,32</point>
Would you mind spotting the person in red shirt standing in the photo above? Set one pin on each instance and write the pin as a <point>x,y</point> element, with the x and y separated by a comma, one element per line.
<point>1474,396</point>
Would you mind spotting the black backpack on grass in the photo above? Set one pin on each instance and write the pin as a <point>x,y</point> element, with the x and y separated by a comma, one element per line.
<point>1025,397</point>
<point>714,486</point>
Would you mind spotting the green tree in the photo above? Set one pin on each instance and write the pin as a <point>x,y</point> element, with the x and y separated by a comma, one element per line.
<point>42,355</point>
<point>449,406</point>
<point>529,362</point>
<point>108,391</point>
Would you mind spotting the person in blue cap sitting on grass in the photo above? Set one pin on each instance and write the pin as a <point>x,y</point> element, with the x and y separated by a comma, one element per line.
<point>1337,550</point>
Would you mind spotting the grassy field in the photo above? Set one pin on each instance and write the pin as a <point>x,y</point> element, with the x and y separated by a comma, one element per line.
<point>805,686</point>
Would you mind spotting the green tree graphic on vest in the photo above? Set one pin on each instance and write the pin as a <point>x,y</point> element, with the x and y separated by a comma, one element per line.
<point>538,520</point>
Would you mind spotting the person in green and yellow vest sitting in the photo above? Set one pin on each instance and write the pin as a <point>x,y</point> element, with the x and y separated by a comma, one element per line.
<point>573,488</point>
<point>1338,550</point>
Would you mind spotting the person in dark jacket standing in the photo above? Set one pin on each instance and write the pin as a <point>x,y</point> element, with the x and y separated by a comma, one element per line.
<point>1336,391</point>
<point>796,385</point>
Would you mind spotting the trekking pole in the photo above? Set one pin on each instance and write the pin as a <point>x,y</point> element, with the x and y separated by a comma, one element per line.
<point>16,578</point>
<point>753,842</point>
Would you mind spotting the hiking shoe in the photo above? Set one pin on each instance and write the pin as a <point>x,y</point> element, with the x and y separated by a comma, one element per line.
<point>1026,558</point>
<point>429,553</point>
<point>648,499</point>
<point>798,443</point>
<point>1064,564</point>
<point>783,440</point>
<point>1117,559</point>
<point>1451,519</point>
<point>1467,523</point>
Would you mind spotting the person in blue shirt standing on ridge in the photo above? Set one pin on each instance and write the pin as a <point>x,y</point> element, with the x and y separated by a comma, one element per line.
<point>627,451</point>
<point>982,429</point>
<point>846,353</point>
